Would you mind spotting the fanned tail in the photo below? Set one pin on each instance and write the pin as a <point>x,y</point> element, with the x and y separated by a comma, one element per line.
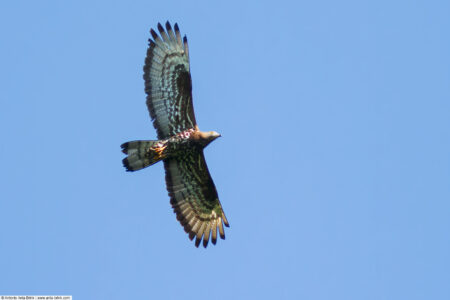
<point>142,154</point>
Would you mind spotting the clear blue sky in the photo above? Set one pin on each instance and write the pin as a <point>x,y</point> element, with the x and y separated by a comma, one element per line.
<point>333,167</point>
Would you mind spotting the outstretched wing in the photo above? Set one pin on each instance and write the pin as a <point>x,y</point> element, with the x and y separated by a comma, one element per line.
<point>168,82</point>
<point>194,197</point>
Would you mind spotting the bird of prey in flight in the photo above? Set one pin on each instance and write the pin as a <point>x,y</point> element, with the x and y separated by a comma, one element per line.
<point>180,143</point>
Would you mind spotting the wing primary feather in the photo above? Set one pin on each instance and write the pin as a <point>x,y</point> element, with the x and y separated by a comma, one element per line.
<point>206,234</point>
<point>160,28</point>
<point>124,148</point>
<point>158,40</point>
<point>170,32</point>
<point>221,230</point>
<point>177,33</point>
<point>197,241</point>
<point>163,33</point>
<point>154,34</point>
<point>214,232</point>
<point>201,230</point>
<point>225,221</point>
<point>168,26</point>
<point>186,47</point>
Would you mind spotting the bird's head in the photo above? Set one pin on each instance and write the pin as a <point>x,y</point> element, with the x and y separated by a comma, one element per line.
<point>209,136</point>
<point>214,135</point>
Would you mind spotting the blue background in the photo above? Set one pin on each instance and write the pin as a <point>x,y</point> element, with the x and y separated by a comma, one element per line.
<point>333,167</point>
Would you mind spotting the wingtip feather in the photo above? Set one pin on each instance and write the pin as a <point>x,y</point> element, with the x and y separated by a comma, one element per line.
<point>197,241</point>
<point>225,221</point>
<point>160,28</point>
<point>221,230</point>
<point>126,165</point>
<point>154,34</point>
<point>124,147</point>
<point>214,232</point>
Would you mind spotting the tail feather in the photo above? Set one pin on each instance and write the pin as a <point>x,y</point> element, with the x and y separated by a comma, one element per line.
<point>142,154</point>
